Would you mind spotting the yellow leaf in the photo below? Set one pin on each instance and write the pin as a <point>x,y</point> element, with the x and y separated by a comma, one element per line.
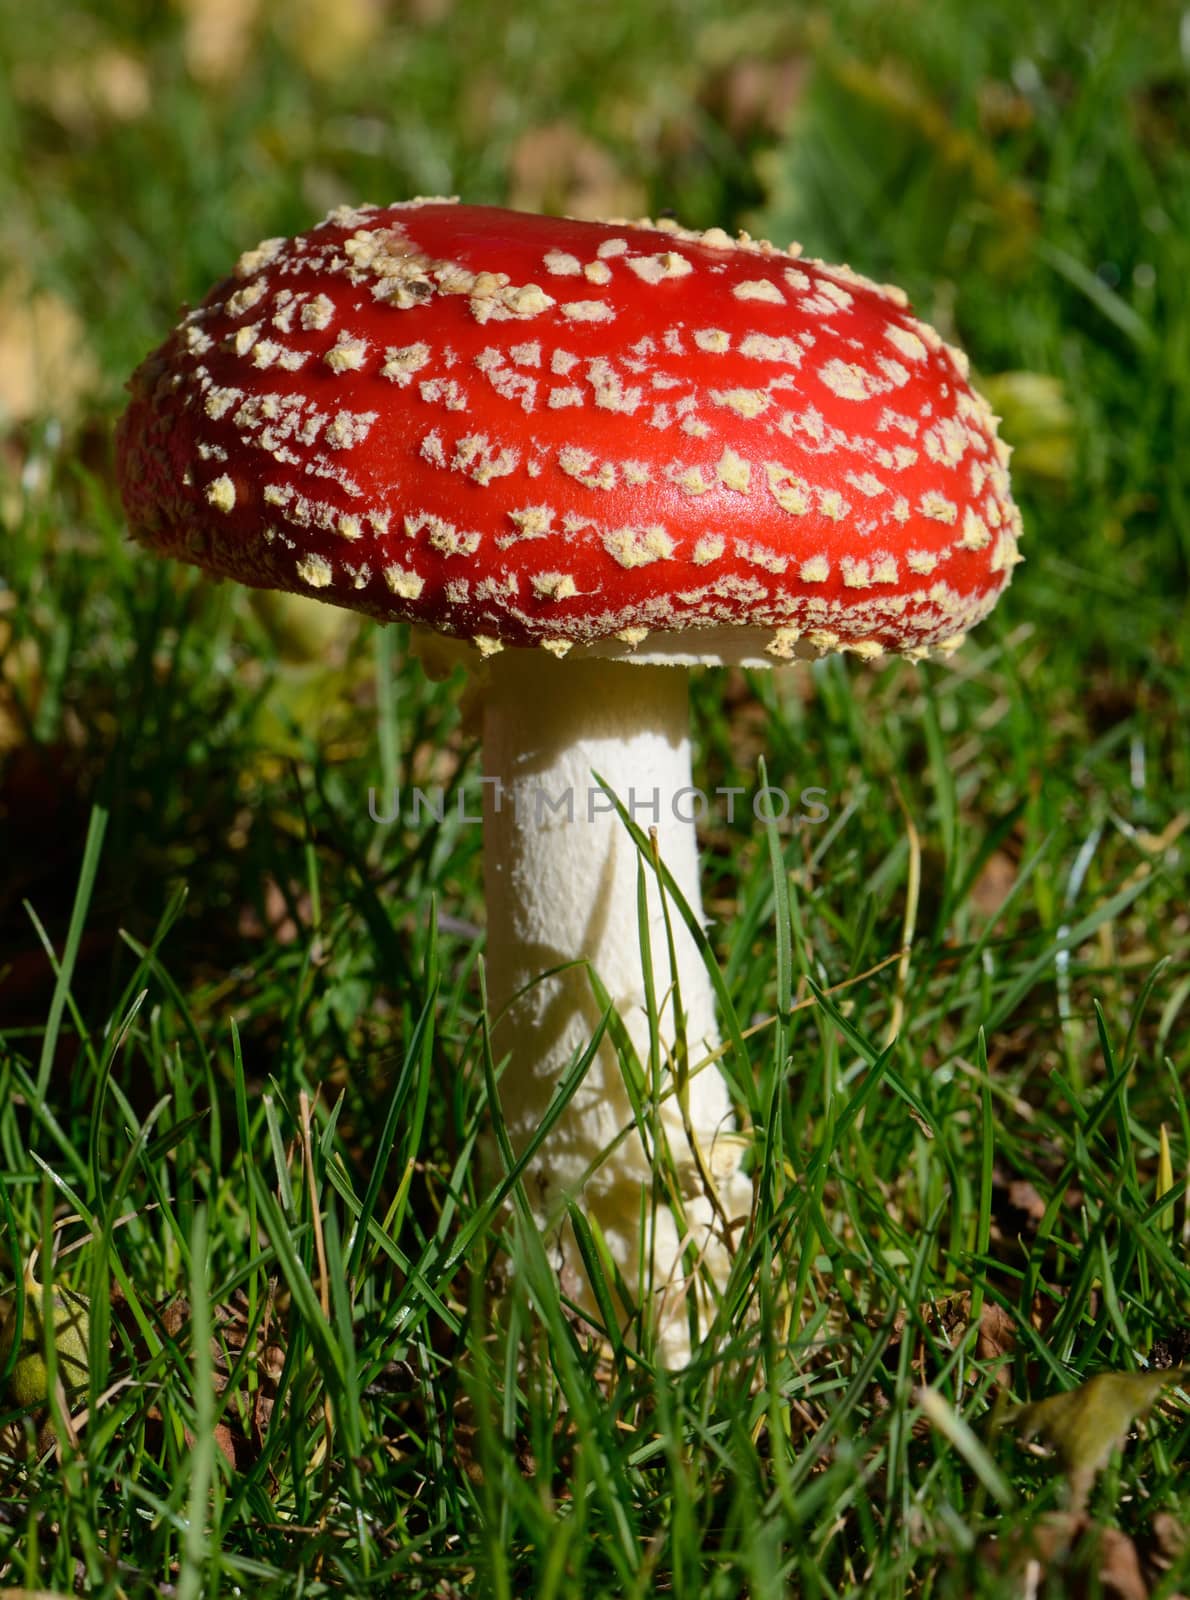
<point>1037,420</point>
<point>28,1382</point>
<point>1086,1424</point>
<point>330,36</point>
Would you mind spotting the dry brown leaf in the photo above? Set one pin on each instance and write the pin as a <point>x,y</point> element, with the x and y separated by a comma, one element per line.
<point>46,365</point>
<point>758,96</point>
<point>277,923</point>
<point>240,1435</point>
<point>557,168</point>
<point>218,38</point>
<point>997,1334</point>
<point>223,1439</point>
<point>108,84</point>
<point>1069,1554</point>
<point>1106,1554</point>
<point>1169,1542</point>
<point>1119,1566</point>
<point>991,887</point>
<point>1024,1196</point>
<point>32,1594</point>
<point>950,1317</point>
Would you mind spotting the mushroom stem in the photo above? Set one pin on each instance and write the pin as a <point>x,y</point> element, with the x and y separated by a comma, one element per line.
<point>561,878</point>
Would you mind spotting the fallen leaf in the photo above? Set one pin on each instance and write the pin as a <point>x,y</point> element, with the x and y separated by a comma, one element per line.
<point>223,1439</point>
<point>1024,1196</point>
<point>327,36</point>
<point>277,923</point>
<point>1086,1424</point>
<point>1064,1554</point>
<point>1071,1555</point>
<point>757,96</point>
<point>991,887</point>
<point>218,38</point>
<point>240,1434</point>
<point>1119,1566</point>
<point>558,168</point>
<point>103,85</point>
<point>1169,1539</point>
<point>950,1316</point>
<point>1037,419</point>
<point>46,365</point>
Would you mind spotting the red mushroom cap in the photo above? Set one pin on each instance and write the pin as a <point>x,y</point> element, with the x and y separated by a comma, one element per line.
<point>523,430</point>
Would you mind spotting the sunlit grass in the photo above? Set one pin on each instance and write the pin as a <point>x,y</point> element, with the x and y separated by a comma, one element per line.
<point>246,1092</point>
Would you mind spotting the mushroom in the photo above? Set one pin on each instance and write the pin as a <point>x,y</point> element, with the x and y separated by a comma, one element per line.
<point>587,455</point>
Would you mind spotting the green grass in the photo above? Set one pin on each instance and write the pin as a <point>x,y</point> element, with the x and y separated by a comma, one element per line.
<point>243,1065</point>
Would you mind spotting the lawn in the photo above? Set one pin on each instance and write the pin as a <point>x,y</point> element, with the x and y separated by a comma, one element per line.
<point>243,1075</point>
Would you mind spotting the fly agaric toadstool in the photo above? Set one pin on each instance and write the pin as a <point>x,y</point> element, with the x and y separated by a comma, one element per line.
<point>590,454</point>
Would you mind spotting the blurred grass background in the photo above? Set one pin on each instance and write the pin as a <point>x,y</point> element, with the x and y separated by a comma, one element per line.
<point>1024,172</point>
